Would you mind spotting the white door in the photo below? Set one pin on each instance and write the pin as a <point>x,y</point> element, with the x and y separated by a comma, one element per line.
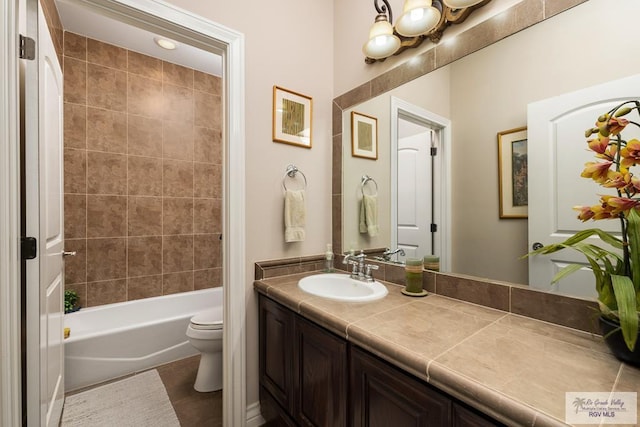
<point>415,189</point>
<point>44,187</point>
<point>557,153</point>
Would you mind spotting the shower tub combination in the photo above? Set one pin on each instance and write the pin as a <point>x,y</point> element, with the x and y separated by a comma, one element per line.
<point>113,340</point>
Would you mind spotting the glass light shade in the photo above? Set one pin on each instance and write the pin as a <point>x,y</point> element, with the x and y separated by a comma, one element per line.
<point>418,17</point>
<point>461,4</point>
<point>382,42</point>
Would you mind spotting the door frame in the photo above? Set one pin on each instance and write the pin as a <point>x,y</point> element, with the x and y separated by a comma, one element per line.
<point>200,32</point>
<point>442,173</point>
<point>10,373</point>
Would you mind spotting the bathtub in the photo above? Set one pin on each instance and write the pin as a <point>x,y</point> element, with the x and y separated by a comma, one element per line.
<point>113,340</point>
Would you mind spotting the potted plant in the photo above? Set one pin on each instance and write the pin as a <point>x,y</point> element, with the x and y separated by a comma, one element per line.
<point>70,301</point>
<point>616,267</point>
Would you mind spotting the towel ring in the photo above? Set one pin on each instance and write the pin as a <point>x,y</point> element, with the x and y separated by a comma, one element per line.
<point>365,180</point>
<point>291,172</point>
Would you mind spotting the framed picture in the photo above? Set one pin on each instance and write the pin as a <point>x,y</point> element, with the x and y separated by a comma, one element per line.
<point>364,136</point>
<point>291,117</point>
<point>512,172</point>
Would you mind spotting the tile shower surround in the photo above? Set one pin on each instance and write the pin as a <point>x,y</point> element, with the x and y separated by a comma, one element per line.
<point>143,167</point>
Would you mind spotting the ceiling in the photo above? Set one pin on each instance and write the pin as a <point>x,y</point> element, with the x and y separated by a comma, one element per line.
<point>82,21</point>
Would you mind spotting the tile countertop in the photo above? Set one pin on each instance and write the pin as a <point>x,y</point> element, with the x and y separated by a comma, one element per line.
<point>513,368</point>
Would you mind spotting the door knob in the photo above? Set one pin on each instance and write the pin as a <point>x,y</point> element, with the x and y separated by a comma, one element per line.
<point>536,246</point>
<point>68,253</point>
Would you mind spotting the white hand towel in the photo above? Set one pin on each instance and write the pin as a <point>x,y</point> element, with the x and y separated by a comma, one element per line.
<point>295,214</point>
<point>369,215</point>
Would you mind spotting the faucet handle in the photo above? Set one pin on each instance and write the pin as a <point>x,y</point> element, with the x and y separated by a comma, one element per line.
<point>368,271</point>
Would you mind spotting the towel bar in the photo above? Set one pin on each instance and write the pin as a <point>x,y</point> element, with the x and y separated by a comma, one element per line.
<point>365,180</point>
<point>291,172</point>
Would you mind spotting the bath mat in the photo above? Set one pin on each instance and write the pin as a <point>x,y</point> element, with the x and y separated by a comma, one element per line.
<point>140,401</point>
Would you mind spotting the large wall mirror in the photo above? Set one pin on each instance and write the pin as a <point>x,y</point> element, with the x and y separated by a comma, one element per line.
<point>483,94</point>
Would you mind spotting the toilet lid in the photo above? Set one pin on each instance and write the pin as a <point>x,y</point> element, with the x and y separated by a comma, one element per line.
<point>207,319</point>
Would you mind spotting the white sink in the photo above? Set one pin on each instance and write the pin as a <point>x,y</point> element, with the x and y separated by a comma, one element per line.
<point>341,287</point>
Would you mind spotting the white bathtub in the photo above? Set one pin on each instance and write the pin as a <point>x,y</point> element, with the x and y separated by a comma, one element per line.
<point>113,340</point>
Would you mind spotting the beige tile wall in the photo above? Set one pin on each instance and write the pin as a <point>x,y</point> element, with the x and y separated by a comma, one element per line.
<point>143,173</point>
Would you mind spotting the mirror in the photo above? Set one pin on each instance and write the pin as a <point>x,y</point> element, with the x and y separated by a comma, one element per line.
<point>482,94</point>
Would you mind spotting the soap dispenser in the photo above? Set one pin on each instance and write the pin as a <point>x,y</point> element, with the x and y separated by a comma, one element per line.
<point>328,259</point>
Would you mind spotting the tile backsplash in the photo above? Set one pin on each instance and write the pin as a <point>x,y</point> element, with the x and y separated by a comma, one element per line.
<point>143,174</point>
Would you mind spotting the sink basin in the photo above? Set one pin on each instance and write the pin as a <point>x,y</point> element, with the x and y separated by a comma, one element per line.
<point>341,287</point>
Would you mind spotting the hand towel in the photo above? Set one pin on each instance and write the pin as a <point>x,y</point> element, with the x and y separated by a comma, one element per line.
<point>294,215</point>
<point>369,215</point>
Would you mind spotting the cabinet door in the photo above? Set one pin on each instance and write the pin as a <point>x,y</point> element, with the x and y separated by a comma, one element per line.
<point>276,351</point>
<point>320,376</point>
<point>465,417</point>
<point>384,396</point>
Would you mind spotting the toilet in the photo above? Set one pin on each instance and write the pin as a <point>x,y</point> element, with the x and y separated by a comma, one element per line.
<point>205,334</point>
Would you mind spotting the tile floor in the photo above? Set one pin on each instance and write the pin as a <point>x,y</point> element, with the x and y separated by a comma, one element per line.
<point>194,409</point>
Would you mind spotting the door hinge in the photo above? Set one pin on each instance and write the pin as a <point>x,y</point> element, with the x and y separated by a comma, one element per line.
<point>434,228</point>
<point>434,151</point>
<point>27,48</point>
<point>29,247</point>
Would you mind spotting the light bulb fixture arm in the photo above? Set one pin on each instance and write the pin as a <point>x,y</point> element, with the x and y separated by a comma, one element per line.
<point>449,11</point>
<point>385,9</point>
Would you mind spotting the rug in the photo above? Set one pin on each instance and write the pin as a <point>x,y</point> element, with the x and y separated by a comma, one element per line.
<point>140,401</point>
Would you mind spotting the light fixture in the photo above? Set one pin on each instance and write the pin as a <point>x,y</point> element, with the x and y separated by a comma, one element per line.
<point>418,17</point>
<point>165,43</point>
<point>382,40</point>
<point>420,20</point>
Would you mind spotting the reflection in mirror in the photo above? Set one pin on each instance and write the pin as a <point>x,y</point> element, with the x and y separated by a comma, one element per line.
<point>482,94</point>
<point>420,177</point>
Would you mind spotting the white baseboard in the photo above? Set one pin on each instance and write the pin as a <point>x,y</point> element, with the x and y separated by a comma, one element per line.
<point>254,416</point>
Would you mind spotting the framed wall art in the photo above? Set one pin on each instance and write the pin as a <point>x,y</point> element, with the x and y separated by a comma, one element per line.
<point>364,136</point>
<point>512,173</point>
<point>292,115</point>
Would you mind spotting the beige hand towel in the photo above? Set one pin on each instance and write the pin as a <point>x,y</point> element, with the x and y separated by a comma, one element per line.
<point>369,215</point>
<point>294,215</point>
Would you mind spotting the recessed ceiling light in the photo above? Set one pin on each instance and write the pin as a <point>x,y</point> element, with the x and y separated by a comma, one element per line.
<point>165,43</point>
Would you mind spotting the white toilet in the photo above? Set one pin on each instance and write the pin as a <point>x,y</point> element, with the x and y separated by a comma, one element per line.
<point>205,334</point>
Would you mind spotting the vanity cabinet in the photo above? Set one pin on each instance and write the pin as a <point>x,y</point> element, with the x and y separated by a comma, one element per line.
<point>303,370</point>
<point>383,396</point>
<point>276,354</point>
<point>312,377</point>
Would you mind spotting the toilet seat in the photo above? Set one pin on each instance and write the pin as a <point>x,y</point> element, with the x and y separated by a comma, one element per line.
<point>207,320</point>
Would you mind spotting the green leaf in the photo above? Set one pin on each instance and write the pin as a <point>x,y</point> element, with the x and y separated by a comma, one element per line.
<point>633,232</point>
<point>626,298</point>
<point>569,269</point>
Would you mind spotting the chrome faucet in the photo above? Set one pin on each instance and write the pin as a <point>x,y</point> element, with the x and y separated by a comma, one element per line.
<point>388,252</point>
<point>361,271</point>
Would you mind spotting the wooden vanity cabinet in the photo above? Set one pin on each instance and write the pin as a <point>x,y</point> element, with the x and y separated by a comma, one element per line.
<point>303,370</point>
<point>382,396</point>
<point>312,377</point>
<point>467,417</point>
<point>320,376</point>
<point>276,355</point>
